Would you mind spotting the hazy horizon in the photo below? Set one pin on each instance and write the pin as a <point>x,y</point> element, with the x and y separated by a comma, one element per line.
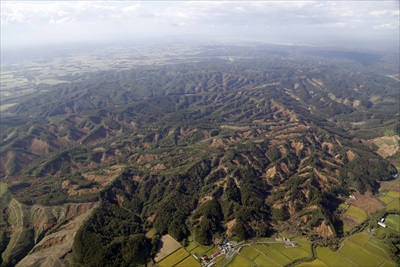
<point>36,23</point>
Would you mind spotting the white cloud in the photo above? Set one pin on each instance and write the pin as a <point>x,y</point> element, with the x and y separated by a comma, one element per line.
<point>385,13</point>
<point>387,26</point>
<point>226,17</point>
<point>61,21</point>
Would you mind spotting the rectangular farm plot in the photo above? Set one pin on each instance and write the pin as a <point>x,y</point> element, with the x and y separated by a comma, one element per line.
<point>192,245</point>
<point>174,258</point>
<point>388,264</point>
<point>381,232</point>
<point>295,253</point>
<point>332,258</point>
<point>240,261</point>
<point>261,260</point>
<point>167,245</point>
<point>393,194</point>
<point>278,257</point>
<point>377,243</point>
<point>200,250</point>
<point>262,248</point>
<point>359,256</point>
<point>393,221</point>
<point>375,250</point>
<point>314,263</point>
<point>394,205</point>
<point>359,239</point>
<point>249,252</point>
<point>278,246</point>
<point>357,213</point>
<point>189,262</point>
<point>386,199</point>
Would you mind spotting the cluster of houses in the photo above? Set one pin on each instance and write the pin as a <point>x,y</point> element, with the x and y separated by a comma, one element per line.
<point>208,261</point>
<point>225,248</point>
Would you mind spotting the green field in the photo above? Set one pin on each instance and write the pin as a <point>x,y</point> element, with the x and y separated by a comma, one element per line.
<point>332,258</point>
<point>388,264</point>
<point>394,205</point>
<point>393,221</point>
<point>393,194</point>
<point>174,258</point>
<point>249,252</point>
<point>359,256</point>
<point>381,233</point>
<point>200,250</point>
<point>240,261</point>
<point>264,261</point>
<point>189,262</point>
<point>359,239</point>
<point>278,257</point>
<point>192,245</point>
<point>357,213</point>
<point>375,250</point>
<point>262,248</point>
<point>386,199</point>
<point>315,263</point>
<point>295,253</point>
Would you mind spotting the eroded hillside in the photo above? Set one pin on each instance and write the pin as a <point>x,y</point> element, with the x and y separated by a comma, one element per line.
<point>240,148</point>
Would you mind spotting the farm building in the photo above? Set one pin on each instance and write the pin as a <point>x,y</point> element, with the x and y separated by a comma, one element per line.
<point>382,224</point>
<point>215,254</point>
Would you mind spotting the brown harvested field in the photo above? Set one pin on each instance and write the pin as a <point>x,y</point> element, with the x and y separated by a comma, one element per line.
<point>350,221</point>
<point>167,245</point>
<point>391,185</point>
<point>367,202</point>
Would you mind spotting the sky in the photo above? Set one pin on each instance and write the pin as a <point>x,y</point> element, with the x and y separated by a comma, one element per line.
<point>25,23</point>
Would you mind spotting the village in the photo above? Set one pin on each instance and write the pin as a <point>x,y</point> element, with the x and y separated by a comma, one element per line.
<point>231,248</point>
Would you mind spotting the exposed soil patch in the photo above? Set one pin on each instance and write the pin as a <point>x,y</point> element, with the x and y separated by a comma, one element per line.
<point>205,199</point>
<point>320,176</point>
<point>147,158</point>
<point>152,218</point>
<point>350,155</point>
<point>159,167</point>
<point>236,128</point>
<point>39,147</point>
<point>323,230</point>
<point>229,226</point>
<point>297,146</point>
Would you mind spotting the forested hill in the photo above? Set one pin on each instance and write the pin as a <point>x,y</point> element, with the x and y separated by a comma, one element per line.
<point>240,146</point>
